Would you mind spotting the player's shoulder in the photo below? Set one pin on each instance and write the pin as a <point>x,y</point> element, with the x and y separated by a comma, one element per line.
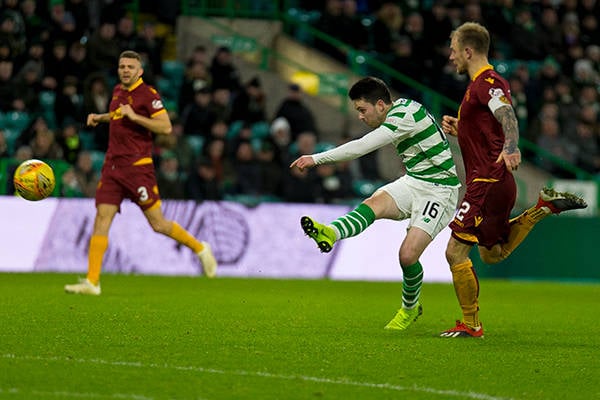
<point>491,77</point>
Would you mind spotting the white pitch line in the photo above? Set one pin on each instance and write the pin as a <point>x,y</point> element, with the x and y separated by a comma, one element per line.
<point>345,382</point>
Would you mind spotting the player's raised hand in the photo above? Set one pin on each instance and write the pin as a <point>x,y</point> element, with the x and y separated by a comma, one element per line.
<point>450,125</point>
<point>303,162</point>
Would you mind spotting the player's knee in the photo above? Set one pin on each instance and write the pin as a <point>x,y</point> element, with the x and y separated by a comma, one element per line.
<point>492,256</point>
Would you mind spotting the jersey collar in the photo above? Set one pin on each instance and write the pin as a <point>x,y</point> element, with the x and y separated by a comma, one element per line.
<point>484,68</point>
<point>135,85</point>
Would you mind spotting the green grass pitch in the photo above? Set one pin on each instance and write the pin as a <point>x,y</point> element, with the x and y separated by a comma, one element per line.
<point>157,338</point>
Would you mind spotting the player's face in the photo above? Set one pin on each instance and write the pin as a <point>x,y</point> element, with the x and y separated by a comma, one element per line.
<point>458,56</point>
<point>130,70</point>
<point>371,114</point>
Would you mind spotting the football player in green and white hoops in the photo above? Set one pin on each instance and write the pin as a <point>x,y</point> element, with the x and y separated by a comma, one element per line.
<point>427,194</point>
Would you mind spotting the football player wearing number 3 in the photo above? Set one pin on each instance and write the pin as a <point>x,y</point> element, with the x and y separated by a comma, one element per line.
<point>135,114</point>
<point>488,137</point>
<point>427,194</point>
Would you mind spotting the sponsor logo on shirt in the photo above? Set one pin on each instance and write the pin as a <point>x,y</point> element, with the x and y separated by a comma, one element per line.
<point>157,104</point>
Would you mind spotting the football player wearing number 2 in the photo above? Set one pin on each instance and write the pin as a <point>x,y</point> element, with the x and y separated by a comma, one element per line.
<point>426,195</point>
<point>488,137</point>
<point>135,114</point>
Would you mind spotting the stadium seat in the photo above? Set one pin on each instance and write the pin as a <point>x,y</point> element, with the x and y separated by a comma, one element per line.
<point>87,140</point>
<point>196,143</point>
<point>97,159</point>
<point>260,130</point>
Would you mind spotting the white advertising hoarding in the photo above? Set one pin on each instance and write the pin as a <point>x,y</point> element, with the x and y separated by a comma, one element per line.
<point>262,241</point>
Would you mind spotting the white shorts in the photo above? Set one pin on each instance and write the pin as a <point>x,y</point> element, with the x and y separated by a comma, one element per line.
<point>430,206</point>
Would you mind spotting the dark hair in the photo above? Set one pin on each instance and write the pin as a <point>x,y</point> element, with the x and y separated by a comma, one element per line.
<point>371,90</point>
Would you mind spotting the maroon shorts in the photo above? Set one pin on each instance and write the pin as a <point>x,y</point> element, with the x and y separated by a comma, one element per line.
<point>483,215</point>
<point>135,182</point>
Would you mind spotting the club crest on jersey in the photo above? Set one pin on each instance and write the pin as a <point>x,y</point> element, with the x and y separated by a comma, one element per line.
<point>499,94</point>
<point>157,104</point>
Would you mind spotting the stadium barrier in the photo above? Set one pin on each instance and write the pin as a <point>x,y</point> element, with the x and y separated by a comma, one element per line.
<point>264,241</point>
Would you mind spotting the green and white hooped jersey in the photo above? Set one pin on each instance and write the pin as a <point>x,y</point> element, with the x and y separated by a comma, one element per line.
<point>418,139</point>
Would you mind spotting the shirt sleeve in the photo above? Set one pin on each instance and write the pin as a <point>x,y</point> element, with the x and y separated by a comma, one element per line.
<point>372,141</point>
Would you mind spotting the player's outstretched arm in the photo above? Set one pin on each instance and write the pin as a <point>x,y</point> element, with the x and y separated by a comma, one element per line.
<point>302,162</point>
<point>94,119</point>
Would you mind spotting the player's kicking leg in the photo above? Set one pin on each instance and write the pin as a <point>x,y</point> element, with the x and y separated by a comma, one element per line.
<point>404,317</point>
<point>557,202</point>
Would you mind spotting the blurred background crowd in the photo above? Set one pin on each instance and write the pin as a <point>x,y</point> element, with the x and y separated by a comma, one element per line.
<point>58,63</point>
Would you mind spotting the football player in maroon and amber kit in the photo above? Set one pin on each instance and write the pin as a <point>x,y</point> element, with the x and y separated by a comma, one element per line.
<point>488,137</point>
<point>136,114</point>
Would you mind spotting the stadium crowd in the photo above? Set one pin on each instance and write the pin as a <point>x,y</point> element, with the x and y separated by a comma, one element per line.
<point>57,61</point>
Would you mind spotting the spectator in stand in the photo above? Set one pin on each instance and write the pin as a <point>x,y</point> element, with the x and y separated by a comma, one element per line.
<point>389,20</point>
<point>202,183</point>
<point>80,11</point>
<point>148,42</point>
<point>298,115</point>
<point>45,146</point>
<point>96,98</point>
<point>82,179</point>
<point>178,144</point>
<point>28,85</point>
<point>551,34</point>
<point>35,25</point>
<point>55,65</point>
<point>77,64</point>
<point>281,136</point>
<point>334,184</point>
<point>125,35</point>
<point>220,104</point>
<point>403,61</point>
<point>70,141</point>
<point>12,30</point>
<point>215,153</point>
<point>356,34</point>
<point>526,37</point>
<point>195,78</point>
<point>550,140</point>
<point>8,100</point>
<point>587,156</point>
<point>63,25</point>
<point>198,117</point>
<point>249,105</point>
<point>246,169</point>
<point>270,171</point>
<point>332,22</point>
<point>103,50</point>
<point>68,103</point>
<point>224,73</point>
<point>169,179</point>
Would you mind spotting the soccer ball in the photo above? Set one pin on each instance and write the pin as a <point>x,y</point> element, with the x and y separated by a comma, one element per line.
<point>34,180</point>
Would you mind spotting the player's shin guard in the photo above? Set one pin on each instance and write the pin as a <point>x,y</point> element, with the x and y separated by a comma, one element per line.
<point>185,238</point>
<point>466,286</point>
<point>354,222</point>
<point>411,285</point>
<point>519,229</point>
<point>98,246</point>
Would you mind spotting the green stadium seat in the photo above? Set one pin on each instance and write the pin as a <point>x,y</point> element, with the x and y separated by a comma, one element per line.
<point>196,143</point>
<point>87,140</point>
<point>97,159</point>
